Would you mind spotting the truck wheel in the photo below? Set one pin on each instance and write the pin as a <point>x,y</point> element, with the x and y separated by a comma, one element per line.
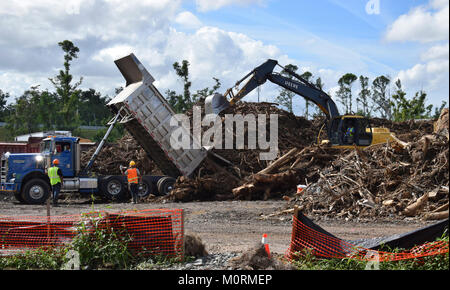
<point>165,185</point>
<point>36,191</point>
<point>113,188</point>
<point>145,188</point>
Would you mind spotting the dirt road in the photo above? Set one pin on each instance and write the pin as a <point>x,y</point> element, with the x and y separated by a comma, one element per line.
<point>225,226</point>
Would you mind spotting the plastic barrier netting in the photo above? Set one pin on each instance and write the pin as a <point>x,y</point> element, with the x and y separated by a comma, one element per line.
<point>305,239</point>
<point>153,231</point>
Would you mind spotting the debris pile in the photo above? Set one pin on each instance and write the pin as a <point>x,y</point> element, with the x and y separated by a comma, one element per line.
<point>283,175</point>
<point>408,178</point>
<point>211,183</point>
<point>212,186</point>
<point>256,258</point>
<point>122,152</point>
<point>293,131</point>
<point>193,246</point>
<point>383,181</point>
<point>442,124</point>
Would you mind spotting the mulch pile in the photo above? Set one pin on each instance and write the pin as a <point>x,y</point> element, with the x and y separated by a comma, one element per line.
<point>212,184</point>
<point>122,152</point>
<point>386,180</point>
<point>256,258</point>
<point>383,181</point>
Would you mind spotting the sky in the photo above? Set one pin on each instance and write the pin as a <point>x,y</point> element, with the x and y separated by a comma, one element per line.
<point>226,39</point>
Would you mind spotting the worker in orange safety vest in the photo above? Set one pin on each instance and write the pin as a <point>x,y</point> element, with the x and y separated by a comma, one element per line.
<point>133,177</point>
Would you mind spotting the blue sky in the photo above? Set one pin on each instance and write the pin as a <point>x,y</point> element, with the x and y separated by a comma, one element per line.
<point>226,39</point>
<point>339,35</point>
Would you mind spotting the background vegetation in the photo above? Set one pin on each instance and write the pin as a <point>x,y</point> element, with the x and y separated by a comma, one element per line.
<point>68,107</point>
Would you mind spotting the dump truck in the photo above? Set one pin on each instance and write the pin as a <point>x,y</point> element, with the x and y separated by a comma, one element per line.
<point>144,113</point>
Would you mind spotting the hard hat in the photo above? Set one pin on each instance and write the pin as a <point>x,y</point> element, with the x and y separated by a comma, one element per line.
<point>132,163</point>
<point>56,161</point>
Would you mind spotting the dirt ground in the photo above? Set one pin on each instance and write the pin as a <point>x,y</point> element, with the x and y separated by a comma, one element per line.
<point>225,226</point>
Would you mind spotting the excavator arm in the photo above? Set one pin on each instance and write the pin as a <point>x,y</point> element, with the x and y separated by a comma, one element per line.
<point>258,76</point>
<point>336,125</point>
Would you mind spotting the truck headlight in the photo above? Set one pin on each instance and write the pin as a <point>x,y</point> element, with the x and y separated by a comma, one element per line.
<point>39,158</point>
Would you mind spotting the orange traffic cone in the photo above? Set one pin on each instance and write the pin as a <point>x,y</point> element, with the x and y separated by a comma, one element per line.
<point>266,245</point>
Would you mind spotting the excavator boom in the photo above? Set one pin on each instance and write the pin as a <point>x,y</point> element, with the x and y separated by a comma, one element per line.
<point>258,76</point>
<point>337,125</point>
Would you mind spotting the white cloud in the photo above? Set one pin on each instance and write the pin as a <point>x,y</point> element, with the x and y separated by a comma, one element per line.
<point>431,75</point>
<point>112,53</point>
<point>50,21</point>
<point>208,5</point>
<point>188,20</point>
<point>426,23</point>
<point>109,29</point>
<point>438,52</point>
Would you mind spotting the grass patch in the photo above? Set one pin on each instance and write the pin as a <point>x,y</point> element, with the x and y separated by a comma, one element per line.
<point>307,261</point>
<point>40,259</point>
<point>96,246</point>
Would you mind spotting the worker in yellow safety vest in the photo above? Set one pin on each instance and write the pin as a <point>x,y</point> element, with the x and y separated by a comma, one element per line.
<point>56,180</point>
<point>133,177</point>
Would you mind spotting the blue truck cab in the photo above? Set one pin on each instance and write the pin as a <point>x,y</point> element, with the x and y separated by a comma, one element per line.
<point>25,174</point>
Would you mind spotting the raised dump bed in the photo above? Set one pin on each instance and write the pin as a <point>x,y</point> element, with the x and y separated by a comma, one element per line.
<point>146,114</point>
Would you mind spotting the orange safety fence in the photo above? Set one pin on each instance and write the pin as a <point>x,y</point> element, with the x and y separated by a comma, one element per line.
<point>305,239</point>
<point>152,231</point>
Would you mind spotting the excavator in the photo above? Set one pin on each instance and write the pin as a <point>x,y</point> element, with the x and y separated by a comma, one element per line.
<point>343,131</point>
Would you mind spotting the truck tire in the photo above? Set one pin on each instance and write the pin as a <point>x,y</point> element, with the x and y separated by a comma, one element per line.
<point>36,191</point>
<point>113,188</point>
<point>145,188</point>
<point>165,185</point>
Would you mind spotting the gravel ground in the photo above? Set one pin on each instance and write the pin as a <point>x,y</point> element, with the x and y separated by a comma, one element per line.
<point>210,262</point>
<point>226,228</point>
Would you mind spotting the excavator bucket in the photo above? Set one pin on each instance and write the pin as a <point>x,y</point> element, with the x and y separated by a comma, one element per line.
<point>215,104</point>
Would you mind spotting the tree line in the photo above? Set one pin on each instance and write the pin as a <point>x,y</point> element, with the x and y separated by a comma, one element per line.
<point>68,107</point>
<point>373,99</point>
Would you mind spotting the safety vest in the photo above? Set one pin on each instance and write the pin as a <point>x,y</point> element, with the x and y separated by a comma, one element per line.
<point>53,175</point>
<point>350,131</point>
<point>132,175</point>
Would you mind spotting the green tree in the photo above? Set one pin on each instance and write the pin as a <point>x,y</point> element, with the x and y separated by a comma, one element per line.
<point>363,98</point>
<point>93,109</point>
<point>404,109</point>
<point>285,97</point>
<point>306,76</point>
<point>204,93</point>
<point>3,107</point>
<point>67,92</point>
<point>319,84</point>
<point>438,110</point>
<point>23,118</point>
<point>344,93</point>
<point>182,103</point>
<point>46,103</point>
<point>381,98</point>
<point>315,109</point>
